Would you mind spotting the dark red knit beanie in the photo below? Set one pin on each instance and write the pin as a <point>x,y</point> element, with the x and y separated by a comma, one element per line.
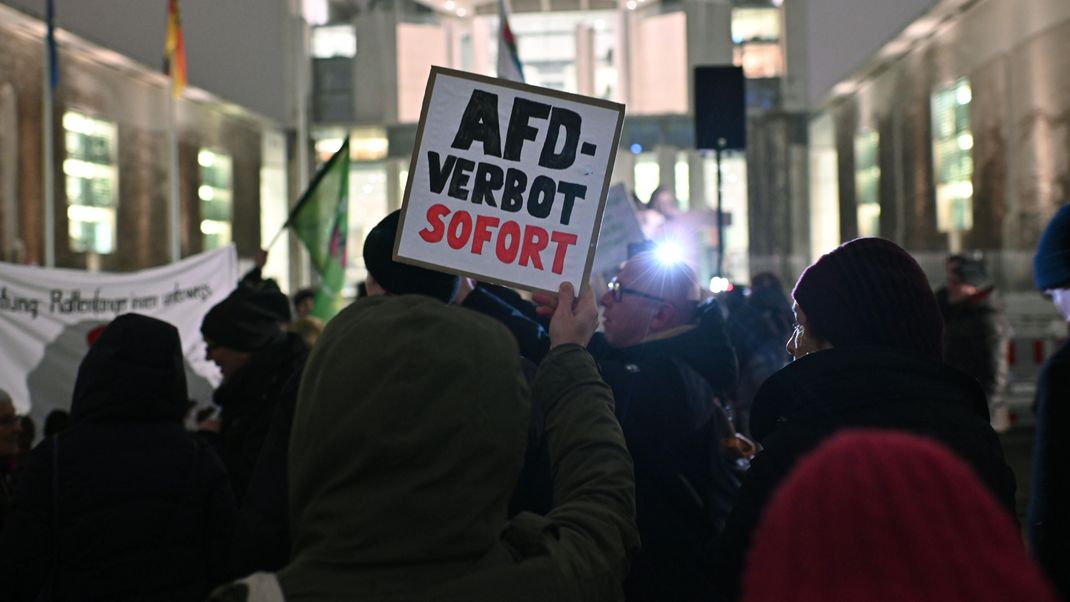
<point>882,516</point>
<point>870,292</point>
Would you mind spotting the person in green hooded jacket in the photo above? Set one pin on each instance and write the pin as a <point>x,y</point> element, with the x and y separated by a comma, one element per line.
<point>407,441</point>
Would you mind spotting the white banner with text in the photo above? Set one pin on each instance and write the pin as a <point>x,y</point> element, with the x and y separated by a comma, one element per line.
<point>48,317</point>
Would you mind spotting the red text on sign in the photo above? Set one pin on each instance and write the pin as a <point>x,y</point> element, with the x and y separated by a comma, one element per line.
<point>509,241</point>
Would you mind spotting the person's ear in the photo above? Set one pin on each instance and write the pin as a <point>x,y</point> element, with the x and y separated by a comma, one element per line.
<point>663,315</point>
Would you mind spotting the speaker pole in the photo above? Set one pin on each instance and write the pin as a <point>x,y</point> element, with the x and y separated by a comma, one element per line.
<point>720,210</point>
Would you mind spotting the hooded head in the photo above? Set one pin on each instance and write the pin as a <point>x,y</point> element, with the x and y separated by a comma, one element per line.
<point>1051,264</point>
<point>407,440</point>
<point>870,292</point>
<point>401,278</point>
<point>882,516</point>
<point>134,372</point>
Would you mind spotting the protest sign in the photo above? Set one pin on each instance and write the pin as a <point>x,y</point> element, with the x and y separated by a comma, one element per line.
<point>47,317</point>
<point>507,181</point>
<point>620,227</point>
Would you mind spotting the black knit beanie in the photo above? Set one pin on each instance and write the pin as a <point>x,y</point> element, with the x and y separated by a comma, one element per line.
<point>270,298</point>
<point>969,270</point>
<point>870,292</point>
<point>240,322</point>
<point>402,278</point>
<point>1051,264</point>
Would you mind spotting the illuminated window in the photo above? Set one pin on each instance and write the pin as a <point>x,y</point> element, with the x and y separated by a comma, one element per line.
<point>368,144</point>
<point>682,175</point>
<point>605,43</point>
<point>647,175</point>
<point>91,182</point>
<point>736,218</point>
<point>328,144</point>
<point>824,186</point>
<point>367,207</point>
<point>216,198</point>
<point>756,36</point>
<point>546,43</point>
<point>316,12</point>
<point>755,24</point>
<point>952,156</point>
<point>334,40</point>
<point>867,183</point>
<point>759,60</point>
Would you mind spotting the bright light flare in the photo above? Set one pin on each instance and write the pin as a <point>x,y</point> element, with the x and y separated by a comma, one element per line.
<point>720,284</point>
<point>669,253</point>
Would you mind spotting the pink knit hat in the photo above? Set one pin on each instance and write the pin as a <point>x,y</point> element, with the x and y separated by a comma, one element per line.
<point>884,516</point>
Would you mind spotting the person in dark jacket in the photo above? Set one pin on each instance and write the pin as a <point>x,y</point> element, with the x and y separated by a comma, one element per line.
<point>976,331</point>
<point>1048,515</point>
<point>403,455</point>
<point>263,534</point>
<point>867,349</point>
<point>668,361</point>
<point>256,358</point>
<point>124,504</point>
<point>757,326</point>
<point>10,431</point>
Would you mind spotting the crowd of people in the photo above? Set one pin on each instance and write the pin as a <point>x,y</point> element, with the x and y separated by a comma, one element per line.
<point>446,439</point>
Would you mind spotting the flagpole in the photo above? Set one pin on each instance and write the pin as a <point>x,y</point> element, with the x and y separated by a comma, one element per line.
<point>301,105</point>
<point>48,158</point>
<point>275,238</point>
<point>173,198</point>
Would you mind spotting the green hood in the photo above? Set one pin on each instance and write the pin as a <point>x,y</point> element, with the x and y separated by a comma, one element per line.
<point>407,440</point>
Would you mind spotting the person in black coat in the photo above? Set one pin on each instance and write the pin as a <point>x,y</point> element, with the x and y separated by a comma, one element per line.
<point>10,432</point>
<point>244,338</point>
<point>976,331</point>
<point>867,349</point>
<point>124,504</point>
<point>669,362</point>
<point>1048,516</point>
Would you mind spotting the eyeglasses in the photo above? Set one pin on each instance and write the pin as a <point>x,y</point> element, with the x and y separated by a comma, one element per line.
<point>618,292</point>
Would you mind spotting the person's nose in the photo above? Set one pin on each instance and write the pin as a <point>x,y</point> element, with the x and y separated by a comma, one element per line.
<point>606,299</point>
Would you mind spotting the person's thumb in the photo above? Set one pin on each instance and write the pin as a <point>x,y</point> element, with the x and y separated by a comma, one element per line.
<point>566,297</point>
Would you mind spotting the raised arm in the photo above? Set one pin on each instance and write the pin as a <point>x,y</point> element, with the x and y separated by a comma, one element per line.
<point>594,486</point>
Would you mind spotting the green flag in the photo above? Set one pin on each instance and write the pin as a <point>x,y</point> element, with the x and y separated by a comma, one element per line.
<point>320,220</point>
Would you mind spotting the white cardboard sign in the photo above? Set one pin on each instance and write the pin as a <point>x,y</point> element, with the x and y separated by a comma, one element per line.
<point>508,181</point>
<point>620,227</point>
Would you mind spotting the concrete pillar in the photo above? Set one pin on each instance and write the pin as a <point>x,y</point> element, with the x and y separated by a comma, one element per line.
<point>585,60</point>
<point>666,156</point>
<point>794,89</point>
<point>624,169</point>
<point>375,89</point>
<point>709,36</point>
<point>394,190</point>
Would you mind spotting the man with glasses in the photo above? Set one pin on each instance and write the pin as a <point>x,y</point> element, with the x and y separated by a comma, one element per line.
<point>666,356</point>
